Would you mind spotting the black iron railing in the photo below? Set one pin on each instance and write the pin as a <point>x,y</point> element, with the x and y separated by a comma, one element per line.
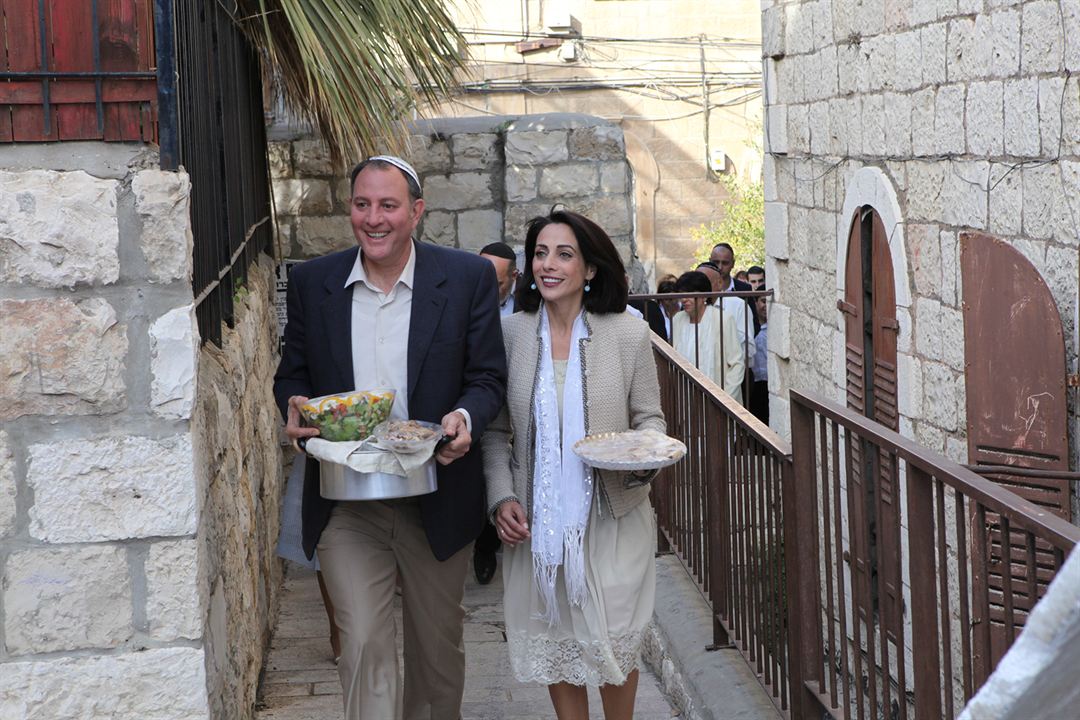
<point>220,140</point>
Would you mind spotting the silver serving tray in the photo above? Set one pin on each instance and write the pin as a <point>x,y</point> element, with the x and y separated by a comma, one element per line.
<point>340,482</point>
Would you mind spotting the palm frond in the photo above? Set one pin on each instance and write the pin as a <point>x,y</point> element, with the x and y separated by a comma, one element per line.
<point>356,69</point>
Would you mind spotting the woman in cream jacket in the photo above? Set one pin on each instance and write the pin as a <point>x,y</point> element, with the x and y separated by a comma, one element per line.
<point>578,568</point>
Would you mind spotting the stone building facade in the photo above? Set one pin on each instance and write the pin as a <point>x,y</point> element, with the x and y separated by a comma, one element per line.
<point>483,178</point>
<point>946,117</point>
<point>139,470</point>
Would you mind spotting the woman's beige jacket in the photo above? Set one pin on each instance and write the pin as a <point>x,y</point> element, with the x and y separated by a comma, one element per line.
<point>621,391</point>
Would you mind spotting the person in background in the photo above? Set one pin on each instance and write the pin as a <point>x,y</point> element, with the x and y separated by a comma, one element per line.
<point>503,258</point>
<point>741,276</point>
<point>734,307</point>
<point>723,257</point>
<point>667,307</point>
<point>579,572</point>
<point>650,312</point>
<point>755,276</point>
<point>717,352</point>
<point>759,390</point>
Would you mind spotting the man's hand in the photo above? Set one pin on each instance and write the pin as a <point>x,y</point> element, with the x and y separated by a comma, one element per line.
<point>292,423</point>
<point>454,426</point>
<point>511,523</point>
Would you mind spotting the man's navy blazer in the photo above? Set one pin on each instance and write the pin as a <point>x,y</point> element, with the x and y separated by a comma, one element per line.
<point>456,359</point>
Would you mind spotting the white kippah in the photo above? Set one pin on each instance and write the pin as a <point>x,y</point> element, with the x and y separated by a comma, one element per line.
<point>400,164</point>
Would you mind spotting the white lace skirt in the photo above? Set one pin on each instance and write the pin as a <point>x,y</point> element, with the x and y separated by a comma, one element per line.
<point>600,643</point>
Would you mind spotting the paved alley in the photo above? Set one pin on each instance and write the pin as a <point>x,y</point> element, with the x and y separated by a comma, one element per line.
<point>301,681</point>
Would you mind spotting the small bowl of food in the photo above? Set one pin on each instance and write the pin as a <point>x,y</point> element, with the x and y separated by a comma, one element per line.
<point>407,436</point>
<point>348,416</point>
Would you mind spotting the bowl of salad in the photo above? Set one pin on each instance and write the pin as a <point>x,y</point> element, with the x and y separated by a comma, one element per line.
<point>348,416</point>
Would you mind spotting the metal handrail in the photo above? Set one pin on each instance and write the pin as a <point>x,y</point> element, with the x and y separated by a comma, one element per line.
<point>1032,517</point>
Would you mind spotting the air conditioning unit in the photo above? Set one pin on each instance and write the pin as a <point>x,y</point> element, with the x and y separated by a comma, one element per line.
<point>559,21</point>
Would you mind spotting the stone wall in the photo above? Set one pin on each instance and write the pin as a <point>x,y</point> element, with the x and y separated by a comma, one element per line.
<point>114,537</point>
<point>483,179</point>
<point>968,114</point>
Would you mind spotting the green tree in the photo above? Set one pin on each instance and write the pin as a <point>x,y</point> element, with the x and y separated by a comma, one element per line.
<point>356,68</point>
<point>742,227</point>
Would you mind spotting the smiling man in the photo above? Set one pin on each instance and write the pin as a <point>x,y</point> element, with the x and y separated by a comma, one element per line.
<point>423,320</point>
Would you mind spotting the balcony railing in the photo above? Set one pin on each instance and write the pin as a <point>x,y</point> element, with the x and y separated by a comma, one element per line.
<point>859,574</point>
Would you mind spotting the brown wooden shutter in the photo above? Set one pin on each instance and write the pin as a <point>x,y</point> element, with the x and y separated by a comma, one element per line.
<point>1014,352</point>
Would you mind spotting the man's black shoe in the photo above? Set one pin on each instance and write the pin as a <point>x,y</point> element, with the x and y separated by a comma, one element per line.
<point>484,565</point>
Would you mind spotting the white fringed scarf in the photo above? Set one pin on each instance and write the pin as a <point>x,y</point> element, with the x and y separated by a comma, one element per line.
<point>562,484</point>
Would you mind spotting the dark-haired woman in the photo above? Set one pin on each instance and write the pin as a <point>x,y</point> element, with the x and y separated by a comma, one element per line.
<point>578,571</point>
<point>706,338</point>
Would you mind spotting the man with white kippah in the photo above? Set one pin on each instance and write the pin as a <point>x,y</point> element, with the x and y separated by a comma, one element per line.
<point>423,320</point>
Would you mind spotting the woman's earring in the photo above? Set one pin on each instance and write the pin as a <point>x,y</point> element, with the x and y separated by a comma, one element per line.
<point>532,286</point>
<point>588,287</point>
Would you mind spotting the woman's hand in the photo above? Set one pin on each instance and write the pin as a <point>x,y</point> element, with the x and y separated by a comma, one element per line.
<point>293,428</point>
<point>511,524</point>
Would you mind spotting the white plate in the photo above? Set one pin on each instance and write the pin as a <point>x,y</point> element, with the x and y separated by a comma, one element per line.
<point>629,450</point>
<point>406,446</point>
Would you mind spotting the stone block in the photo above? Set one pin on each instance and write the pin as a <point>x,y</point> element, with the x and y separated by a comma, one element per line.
<point>614,177</point>
<point>882,59</point>
<point>1022,118</point>
<point>477,228</point>
<point>611,213</point>
<point>317,236</point>
<point>303,197</point>
<point>798,25</point>
<point>1005,43</point>
<point>962,50</point>
<point>574,180</point>
<point>949,120</point>
<point>964,194</point>
<point>112,488</point>
<point>174,606</point>
<point>475,151</point>
<point>952,338</point>
<point>924,246</point>
<point>520,183</point>
<point>458,191</point>
<point>311,158</point>
<point>851,68</point>
<point>950,267</point>
<point>823,23</point>
<point>535,147</point>
<point>898,125</point>
<point>1045,207</point>
<point>934,41</point>
<point>776,129</point>
<point>174,351</point>
<point>518,216</point>
<point>922,122</point>
<point>798,128</point>
<point>60,357</point>
<point>162,200</point>
<point>985,119</point>
<point>279,155</point>
<point>428,153</point>
<point>1070,117</point>
<point>1041,37</point>
<point>599,142</point>
<point>927,330</point>
<point>909,385</point>
<point>776,230</point>
<point>66,599</point>
<point>821,140</point>
<point>873,125</point>
<point>907,73</point>
<point>128,685</point>
<point>8,490</point>
<point>1051,91</point>
<point>772,33</point>
<point>939,398</point>
<point>1006,199</point>
<point>342,196</point>
<point>438,228</point>
<point>58,229</point>
<point>779,330</point>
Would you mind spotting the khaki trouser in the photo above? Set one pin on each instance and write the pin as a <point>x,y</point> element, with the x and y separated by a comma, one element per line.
<point>363,549</point>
